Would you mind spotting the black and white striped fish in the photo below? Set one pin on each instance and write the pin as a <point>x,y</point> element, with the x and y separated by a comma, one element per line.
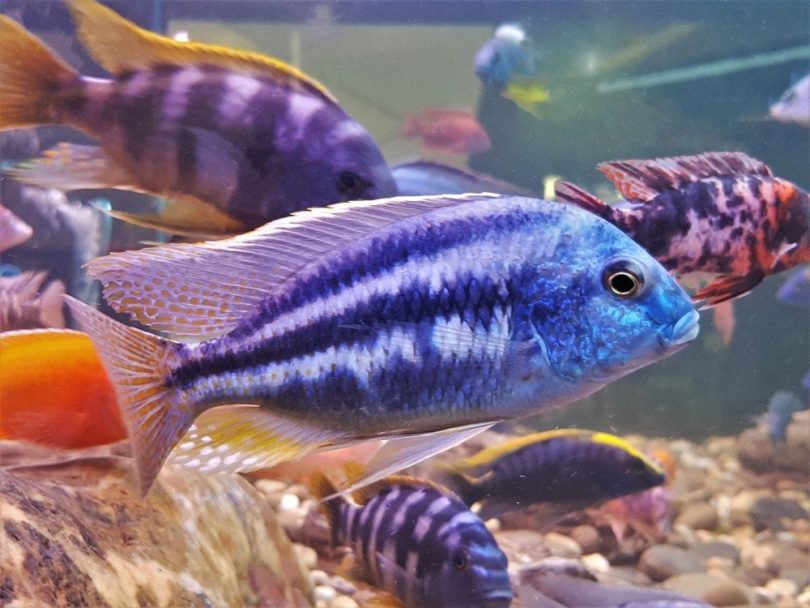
<point>234,139</point>
<point>419,542</point>
<point>420,320</point>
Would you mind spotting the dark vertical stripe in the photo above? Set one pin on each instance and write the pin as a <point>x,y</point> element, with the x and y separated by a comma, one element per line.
<point>187,148</point>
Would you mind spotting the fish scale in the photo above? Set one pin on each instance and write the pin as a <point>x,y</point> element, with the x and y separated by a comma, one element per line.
<point>422,320</point>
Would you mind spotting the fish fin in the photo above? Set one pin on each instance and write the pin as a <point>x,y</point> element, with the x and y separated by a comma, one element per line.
<point>120,46</point>
<point>784,249</point>
<point>401,452</point>
<point>236,438</point>
<point>187,217</point>
<point>29,74</point>
<point>138,363</point>
<point>646,179</point>
<point>482,460</point>
<point>458,482</point>
<point>52,428</point>
<point>73,167</point>
<point>390,572</point>
<point>204,289</point>
<point>726,287</point>
<point>567,192</point>
<point>25,286</point>
<point>52,300</point>
<point>320,486</point>
<point>366,493</point>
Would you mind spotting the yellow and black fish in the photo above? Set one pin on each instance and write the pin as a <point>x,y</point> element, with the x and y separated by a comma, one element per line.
<point>565,470</point>
<point>234,138</point>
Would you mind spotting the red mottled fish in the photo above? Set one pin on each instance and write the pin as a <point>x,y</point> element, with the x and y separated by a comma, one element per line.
<point>233,138</point>
<point>447,130</point>
<point>720,212</point>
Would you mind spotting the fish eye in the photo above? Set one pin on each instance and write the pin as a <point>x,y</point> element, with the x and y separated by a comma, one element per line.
<point>461,560</point>
<point>623,279</point>
<point>350,183</point>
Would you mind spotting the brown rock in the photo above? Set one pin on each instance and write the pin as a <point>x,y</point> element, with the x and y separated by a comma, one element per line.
<point>78,535</point>
<point>587,537</point>
<point>660,562</point>
<point>698,516</point>
<point>711,589</point>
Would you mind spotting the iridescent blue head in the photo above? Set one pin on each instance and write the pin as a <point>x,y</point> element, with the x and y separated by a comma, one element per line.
<point>464,566</point>
<point>605,307</point>
<point>505,56</point>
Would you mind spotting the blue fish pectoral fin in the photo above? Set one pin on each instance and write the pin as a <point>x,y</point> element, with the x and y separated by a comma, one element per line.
<point>119,46</point>
<point>646,179</point>
<point>207,288</point>
<point>238,438</point>
<point>401,452</point>
<point>73,167</point>
<point>391,573</point>
<point>725,288</point>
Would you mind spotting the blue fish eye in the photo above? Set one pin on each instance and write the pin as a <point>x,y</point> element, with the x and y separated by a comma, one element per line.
<point>623,279</point>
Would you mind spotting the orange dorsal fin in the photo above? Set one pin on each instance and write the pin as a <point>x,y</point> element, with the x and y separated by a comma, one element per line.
<point>643,180</point>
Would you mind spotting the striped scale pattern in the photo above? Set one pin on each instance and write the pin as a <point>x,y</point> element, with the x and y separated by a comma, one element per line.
<point>427,320</point>
<point>425,546</point>
<point>254,148</point>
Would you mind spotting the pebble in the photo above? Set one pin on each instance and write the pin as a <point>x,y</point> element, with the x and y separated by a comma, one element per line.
<point>307,555</point>
<point>782,587</point>
<point>715,548</point>
<point>699,516</point>
<point>325,593</point>
<point>270,487</point>
<point>561,545</point>
<point>708,588</point>
<point>343,601</point>
<point>289,502</point>
<point>596,563</point>
<point>587,537</point>
<point>319,577</point>
<point>661,562</point>
<point>769,513</point>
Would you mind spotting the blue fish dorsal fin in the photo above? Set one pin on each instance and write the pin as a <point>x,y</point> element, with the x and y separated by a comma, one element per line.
<point>202,290</point>
<point>645,179</point>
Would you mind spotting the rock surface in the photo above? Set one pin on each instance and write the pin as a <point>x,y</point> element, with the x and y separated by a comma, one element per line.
<point>78,535</point>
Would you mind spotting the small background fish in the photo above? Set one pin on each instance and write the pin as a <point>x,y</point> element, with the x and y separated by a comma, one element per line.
<point>794,104</point>
<point>781,407</point>
<point>796,290</point>
<point>449,130</point>
<point>25,305</point>
<point>507,56</point>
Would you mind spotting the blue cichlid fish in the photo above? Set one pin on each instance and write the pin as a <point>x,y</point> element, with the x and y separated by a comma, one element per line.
<point>794,104</point>
<point>796,290</point>
<point>420,320</point>
<point>506,56</point>
<point>423,177</point>
<point>781,407</point>
<point>233,138</point>
<point>419,542</point>
<point>563,470</point>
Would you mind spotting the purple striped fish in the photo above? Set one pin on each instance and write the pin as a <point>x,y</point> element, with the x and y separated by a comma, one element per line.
<point>419,320</point>
<point>419,542</point>
<point>234,139</point>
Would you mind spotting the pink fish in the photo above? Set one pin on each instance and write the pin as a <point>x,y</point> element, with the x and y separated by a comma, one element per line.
<point>13,231</point>
<point>724,321</point>
<point>447,130</point>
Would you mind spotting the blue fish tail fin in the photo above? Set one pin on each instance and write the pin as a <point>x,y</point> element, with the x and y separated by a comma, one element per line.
<point>320,486</point>
<point>137,362</point>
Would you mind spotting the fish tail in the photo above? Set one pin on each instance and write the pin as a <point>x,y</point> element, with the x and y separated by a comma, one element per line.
<point>320,486</point>
<point>31,77</point>
<point>155,414</point>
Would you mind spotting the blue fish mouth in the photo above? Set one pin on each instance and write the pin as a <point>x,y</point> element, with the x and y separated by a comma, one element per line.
<point>683,331</point>
<point>500,598</point>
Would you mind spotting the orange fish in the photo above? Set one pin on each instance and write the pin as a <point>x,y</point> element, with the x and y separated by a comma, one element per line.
<point>447,130</point>
<point>54,391</point>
